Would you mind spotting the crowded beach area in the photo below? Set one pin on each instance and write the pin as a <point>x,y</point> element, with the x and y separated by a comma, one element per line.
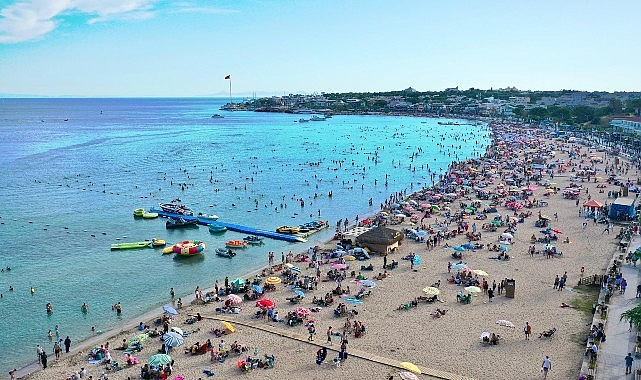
<point>474,278</point>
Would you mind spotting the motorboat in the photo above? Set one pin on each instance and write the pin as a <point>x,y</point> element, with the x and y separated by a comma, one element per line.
<point>216,228</point>
<point>131,245</point>
<point>217,116</point>
<point>253,240</point>
<point>175,208</point>
<point>181,223</point>
<point>158,243</point>
<point>302,120</point>
<point>189,248</point>
<point>287,230</point>
<point>317,118</point>
<point>207,217</point>
<point>236,244</point>
<point>149,215</point>
<point>222,252</point>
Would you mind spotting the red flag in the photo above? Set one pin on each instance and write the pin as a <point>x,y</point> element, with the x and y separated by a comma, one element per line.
<point>228,77</point>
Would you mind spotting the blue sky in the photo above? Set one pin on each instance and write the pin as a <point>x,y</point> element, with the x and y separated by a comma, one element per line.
<point>130,48</point>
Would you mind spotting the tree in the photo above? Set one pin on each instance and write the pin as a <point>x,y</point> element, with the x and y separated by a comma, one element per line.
<point>633,316</point>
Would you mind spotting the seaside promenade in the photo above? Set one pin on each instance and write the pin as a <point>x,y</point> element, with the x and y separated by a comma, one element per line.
<point>619,340</point>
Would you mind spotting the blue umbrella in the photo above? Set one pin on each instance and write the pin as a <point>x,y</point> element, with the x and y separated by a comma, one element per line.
<point>368,283</point>
<point>458,248</point>
<point>173,339</point>
<point>295,269</point>
<point>353,300</point>
<point>299,293</point>
<point>169,310</point>
<point>458,266</point>
<point>504,248</point>
<point>257,288</point>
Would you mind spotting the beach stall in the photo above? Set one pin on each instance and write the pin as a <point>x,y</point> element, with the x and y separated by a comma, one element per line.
<point>622,209</point>
<point>380,239</point>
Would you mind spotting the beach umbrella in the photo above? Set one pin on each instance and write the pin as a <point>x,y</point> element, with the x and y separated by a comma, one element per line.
<point>177,330</point>
<point>169,310</point>
<point>303,311</point>
<point>421,233</point>
<point>431,291</point>
<point>266,303</point>
<point>368,283</point>
<point>238,282</point>
<point>257,289</point>
<point>173,339</point>
<point>459,266</point>
<point>466,269</point>
<point>505,323</point>
<point>159,360</point>
<point>338,266</point>
<point>273,280</point>
<point>480,272</point>
<point>473,289</point>
<point>295,269</point>
<point>407,376</point>
<point>349,258</point>
<point>299,293</point>
<point>458,248</point>
<point>507,235</point>
<point>138,339</point>
<point>411,367</point>
<point>485,334</point>
<point>353,300</point>
<point>228,326</point>
<point>234,298</point>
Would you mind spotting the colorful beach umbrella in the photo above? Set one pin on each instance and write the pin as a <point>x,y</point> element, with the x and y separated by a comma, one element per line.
<point>173,339</point>
<point>228,326</point>
<point>159,360</point>
<point>458,248</point>
<point>349,258</point>
<point>234,298</point>
<point>299,293</point>
<point>273,280</point>
<point>411,367</point>
<point>257,289</point>
<point>303,311</point>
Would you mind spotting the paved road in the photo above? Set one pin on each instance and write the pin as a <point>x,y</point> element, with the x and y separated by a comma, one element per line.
<point>620,341</point>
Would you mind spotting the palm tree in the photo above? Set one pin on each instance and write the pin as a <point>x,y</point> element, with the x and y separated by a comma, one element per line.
<point>633,316</point>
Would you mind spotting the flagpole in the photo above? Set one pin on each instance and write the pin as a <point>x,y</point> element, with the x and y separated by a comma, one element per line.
<point>230,98</point>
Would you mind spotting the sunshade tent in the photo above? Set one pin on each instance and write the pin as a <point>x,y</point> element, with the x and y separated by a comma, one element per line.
<point>238,282</point>
<point>228,326</point>
<point>234,298</point>
<point>380,239</point>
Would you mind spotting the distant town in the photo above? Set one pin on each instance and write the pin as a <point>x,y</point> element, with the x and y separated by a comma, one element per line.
<point>565,107</point>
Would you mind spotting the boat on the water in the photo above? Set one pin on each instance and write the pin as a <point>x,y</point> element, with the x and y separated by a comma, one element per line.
<point>176,208</point>
<point>149,215</point>
<point>158,243</point>
<point>131,245</point>
<point>139,212</point>
<point>287,230</point>
<point>236,244</point>
<point>189,248</point>
<point>217,116</point>
<point>207,217</point>
<point>317,118</point>
<point>448,123</point>
<point>180,223</point>
<point>253,240</point>
<point>301,120</point>
<point>222,252</point>
<point>216,228</point>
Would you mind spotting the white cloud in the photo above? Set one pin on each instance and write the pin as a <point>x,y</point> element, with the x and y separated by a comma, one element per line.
<point>30,19</point>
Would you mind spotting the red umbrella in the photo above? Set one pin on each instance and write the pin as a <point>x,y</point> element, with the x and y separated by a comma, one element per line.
<point>266,303</point>
<point>302,311</point>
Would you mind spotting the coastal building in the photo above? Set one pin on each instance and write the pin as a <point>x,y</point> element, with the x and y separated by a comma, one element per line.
<point>627,123</point>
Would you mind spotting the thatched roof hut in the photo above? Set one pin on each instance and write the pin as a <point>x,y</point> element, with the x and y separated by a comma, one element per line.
<point>380,239</point>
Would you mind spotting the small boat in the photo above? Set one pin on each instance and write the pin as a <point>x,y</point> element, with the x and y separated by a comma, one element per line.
<point>149,215</point>
<point>303,120</point>
<point>180,223</point>
<point>158,243</point>
<point>189,248</point>
<point>207,217</point>
<point>253,240</point>
<point>317,118</point>
<point>287,230</point>
<point>176,208</point>
<point>236,244</point>
<point>139,212</point>
<point>222,252</point>
<point>131,245</point>
<point>216,228</point>
<point>217,116</point>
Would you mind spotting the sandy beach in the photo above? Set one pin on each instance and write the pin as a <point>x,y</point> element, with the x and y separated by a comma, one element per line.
<point>450,343</point>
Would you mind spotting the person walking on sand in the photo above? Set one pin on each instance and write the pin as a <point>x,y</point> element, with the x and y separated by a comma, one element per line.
<point>628,363</point>
<point>527,330</point>
<point>329,335</point>
<point>67,344</point>
<point>546,366</point>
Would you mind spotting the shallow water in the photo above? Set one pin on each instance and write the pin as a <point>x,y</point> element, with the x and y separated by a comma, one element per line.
<point>69,188</point>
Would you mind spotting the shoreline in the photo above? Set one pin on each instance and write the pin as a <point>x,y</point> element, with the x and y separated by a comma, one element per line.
<point>251,274</point>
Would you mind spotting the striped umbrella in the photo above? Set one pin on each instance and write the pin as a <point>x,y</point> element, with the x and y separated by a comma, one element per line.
<point>173,339</point>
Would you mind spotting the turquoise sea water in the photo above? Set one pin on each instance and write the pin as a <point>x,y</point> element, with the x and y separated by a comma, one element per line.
<point>68,190</point>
